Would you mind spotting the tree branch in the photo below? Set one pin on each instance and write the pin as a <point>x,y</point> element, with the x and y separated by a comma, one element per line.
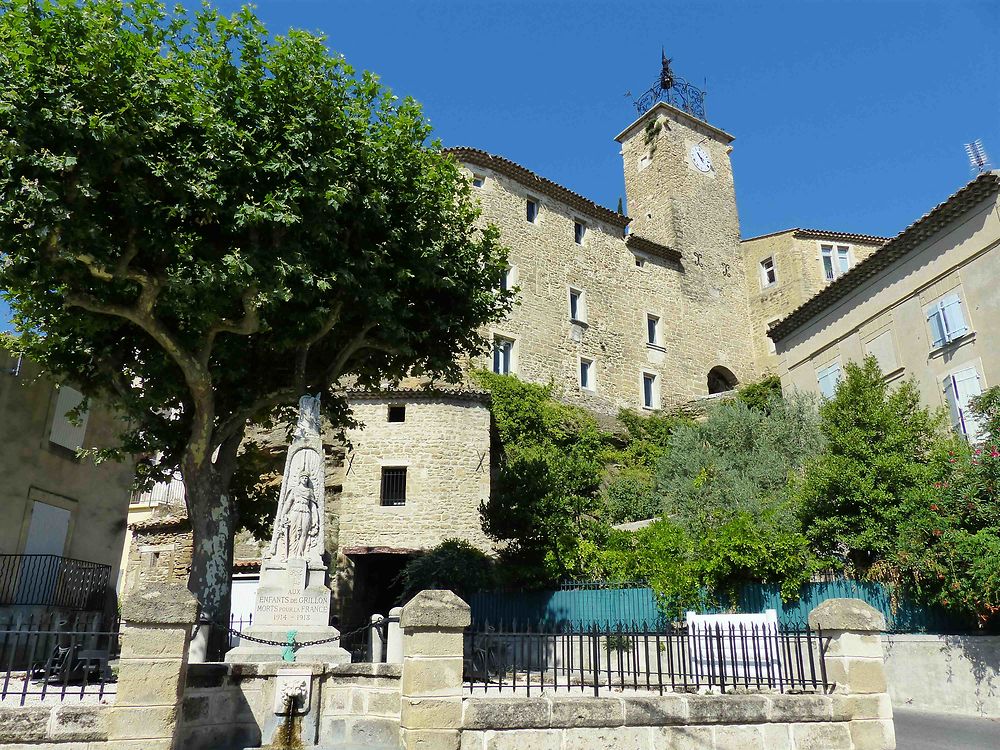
<point>247,325</point>
<point>359,342</point>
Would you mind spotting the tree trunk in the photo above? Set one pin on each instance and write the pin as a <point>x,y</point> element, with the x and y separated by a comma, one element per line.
<point>213,525</point>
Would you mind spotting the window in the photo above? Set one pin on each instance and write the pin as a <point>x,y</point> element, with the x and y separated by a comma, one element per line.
<point>393,485</point>
<point>508,279</point>
<point>577,306</point>
<point>649,391</point>
<point>828,378</point>
<point>771,346</point>
<point>652,330</point>
<point>503,355</point>
<point>531,210</point>
<point>397,414</point>
<point>64,432</point>
<point>640,262</point>
<point>586,374</point>
<point>959,389</point>
<point>768,275</point>
<point>836,260</point>
<point>478,180</point>
<point>946,320</point>
<point>579,232</point>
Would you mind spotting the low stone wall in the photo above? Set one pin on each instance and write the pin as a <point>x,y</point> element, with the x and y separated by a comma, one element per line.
<point>231,706</point>
<point>679,722</point>
<point>73,727</point>
<point>957,673</point>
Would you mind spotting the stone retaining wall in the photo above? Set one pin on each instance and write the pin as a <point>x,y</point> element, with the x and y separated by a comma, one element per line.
<point>62,726</point>
<point>958,673</point>
<point>676,722</point>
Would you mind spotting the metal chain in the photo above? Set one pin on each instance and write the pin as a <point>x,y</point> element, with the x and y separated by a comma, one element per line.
<point>295,644</point>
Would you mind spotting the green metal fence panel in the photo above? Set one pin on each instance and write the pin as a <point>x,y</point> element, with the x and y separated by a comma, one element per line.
<point>586,605</point>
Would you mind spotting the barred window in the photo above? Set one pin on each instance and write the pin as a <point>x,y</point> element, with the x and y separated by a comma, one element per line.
<point>393,485</point>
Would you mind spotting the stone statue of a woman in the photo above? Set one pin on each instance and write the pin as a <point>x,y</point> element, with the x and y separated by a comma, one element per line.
<point>298,520</point>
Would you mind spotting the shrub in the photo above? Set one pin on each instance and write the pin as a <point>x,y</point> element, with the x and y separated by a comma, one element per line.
<point>454,565</point>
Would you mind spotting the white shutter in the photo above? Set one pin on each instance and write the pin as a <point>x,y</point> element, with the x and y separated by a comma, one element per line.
<point>63,432</point>
<point>953,317</point>
<point>936,323</point>
<point>950,395</point>
<point>966,384</point>
<point>828,378</point>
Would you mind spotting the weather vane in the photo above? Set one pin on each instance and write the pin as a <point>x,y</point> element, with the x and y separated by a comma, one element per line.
<point>671,90</point>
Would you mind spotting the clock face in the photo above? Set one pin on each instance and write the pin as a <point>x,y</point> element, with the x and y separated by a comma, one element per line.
<point>700,158</point>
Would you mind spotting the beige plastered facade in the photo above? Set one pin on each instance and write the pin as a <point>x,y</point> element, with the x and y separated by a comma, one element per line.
<point>959,255</point>
<point>799,274</point>
<point>34,469</point>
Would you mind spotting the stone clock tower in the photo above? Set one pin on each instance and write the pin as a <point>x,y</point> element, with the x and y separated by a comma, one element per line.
<point>680,192</point>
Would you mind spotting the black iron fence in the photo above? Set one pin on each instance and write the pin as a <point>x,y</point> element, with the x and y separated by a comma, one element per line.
<point>641,658</point>
<point>53,581</point>
<point>57,659</point>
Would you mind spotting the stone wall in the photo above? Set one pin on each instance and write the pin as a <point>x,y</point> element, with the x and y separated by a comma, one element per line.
<point>231,706</point>
<point>676,722</point>
<point>799,275</point>
<point>444,443</point>
<point>64,725</point>
<point>958,673</point>
<point>160,551</point>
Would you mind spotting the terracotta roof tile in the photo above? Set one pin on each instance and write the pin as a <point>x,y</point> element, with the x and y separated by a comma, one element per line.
<point>976,191</point>
<point>824,234</point>
<point>538,183</point>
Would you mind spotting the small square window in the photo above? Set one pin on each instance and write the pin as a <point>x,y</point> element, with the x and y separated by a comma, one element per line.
<point>393,485</point>
<point>503,355</point>
<point>579,232</point>
<point>639,261</point>
<point>648,390</point>
<point>577,306</point>
<point>531,210</point>
<point>587,374</point>
<point>397,414</point>
<point>768,275</point>
<point>652,330</point>
<point>478,180</point>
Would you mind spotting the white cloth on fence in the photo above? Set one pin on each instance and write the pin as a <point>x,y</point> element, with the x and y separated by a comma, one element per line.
<point>733,649</point>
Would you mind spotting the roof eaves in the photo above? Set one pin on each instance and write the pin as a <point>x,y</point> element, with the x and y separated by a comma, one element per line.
<point>635,242</point>
<point>538,183</point>
<point>974,192</point>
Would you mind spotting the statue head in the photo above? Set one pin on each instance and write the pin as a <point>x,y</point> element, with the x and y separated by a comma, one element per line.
<point>304,479</point>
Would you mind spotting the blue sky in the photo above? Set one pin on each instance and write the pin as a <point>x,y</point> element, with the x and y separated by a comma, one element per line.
<point>847,115</point>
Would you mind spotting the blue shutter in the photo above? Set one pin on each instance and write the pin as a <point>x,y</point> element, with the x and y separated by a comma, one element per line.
<point>952,317</point>
<point>936,322</point>
<point>966,387</point>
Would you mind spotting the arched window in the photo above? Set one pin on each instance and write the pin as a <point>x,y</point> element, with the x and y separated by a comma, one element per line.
<point>720,380</point>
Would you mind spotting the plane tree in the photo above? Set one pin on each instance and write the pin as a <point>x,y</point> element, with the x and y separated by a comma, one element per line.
<point>201,221</point>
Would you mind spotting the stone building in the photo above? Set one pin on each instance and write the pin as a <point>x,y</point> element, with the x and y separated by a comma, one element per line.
<point>784,269</point>
<point>62,518</point>
<point>925,305</point>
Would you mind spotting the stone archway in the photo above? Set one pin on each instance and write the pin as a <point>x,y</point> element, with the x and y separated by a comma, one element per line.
<point>721,379</point>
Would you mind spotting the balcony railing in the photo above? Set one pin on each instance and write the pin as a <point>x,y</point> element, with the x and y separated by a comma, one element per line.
<point>53,581</point>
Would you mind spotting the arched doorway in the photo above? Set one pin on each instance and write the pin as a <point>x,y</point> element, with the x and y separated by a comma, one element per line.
<point>721,379</point>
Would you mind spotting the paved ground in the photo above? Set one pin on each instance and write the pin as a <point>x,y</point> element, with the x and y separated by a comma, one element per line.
<point>920,730</point>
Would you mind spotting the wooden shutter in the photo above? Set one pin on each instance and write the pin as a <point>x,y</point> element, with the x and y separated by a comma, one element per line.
<point>952,316</point>
<point>63,432</point>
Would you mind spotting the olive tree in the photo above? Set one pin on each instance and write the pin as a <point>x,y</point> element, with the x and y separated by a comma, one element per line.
<point>201,221</point>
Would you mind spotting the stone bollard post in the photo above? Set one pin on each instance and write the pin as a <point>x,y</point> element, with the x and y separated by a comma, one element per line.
<point>434,624</point>
<point>394,637</point>
<point>376,640</point>
<point>156,632</point>
<point>855,665</point>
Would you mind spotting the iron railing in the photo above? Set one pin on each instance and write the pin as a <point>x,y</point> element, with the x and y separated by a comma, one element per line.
<point>646,659</point>
<point>59,660</point>
<point>53,581</point>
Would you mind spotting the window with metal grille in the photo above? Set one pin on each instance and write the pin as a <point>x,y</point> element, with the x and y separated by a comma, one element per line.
<point>393,485</point>
<point>397,414</point>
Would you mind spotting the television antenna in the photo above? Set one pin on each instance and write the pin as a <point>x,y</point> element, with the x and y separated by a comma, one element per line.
<point>979,162</point>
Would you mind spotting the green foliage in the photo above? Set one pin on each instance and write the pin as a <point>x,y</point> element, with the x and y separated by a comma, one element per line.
<point>948,548</point>
<point>987,406</point>
<point>762,394</point>
<point>882,446</point>
<point>629,490</point>
<point>202,221</point>
<point>545,497</point>
<point>454,565</point>
<point>740,460</point>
